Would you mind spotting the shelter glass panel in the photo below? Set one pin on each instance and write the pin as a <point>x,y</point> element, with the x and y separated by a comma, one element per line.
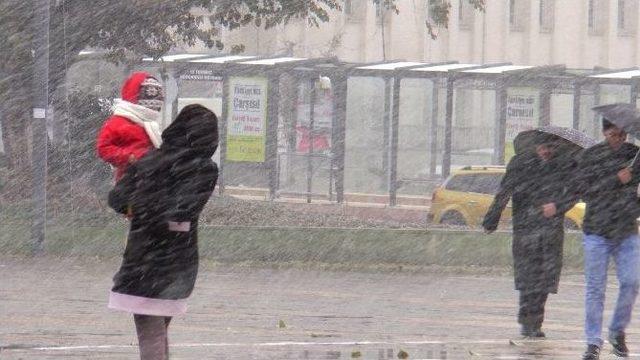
<point>522,113</point>
<point>416,136</point>
<point>562,110</point>
<point>473,137</point>
<point>367,136</point>
<point>298,138</point>
<point>247,132</point>
<point>201,87</point>
<point>589,124</point>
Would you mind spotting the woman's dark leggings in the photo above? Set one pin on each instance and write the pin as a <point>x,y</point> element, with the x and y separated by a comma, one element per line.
<point>152,336</point>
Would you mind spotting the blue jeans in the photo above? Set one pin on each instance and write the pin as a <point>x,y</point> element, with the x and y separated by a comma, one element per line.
<point>626,254</point>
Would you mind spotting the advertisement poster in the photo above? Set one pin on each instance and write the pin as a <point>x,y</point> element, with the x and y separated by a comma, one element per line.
<point>204,87</point>
<point>246,125</point>
<point>322,120</point>
<point>523,108</point>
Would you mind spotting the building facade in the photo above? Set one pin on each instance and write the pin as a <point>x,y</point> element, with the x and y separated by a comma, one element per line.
<point>576,33</point>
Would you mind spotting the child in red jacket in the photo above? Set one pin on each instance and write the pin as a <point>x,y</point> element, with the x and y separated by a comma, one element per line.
<point>133,128</point>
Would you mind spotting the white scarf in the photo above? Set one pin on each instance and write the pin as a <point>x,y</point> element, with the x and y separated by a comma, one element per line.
<point>142,116</point>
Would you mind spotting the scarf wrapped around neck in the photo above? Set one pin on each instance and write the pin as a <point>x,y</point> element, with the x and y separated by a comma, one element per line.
<point>142,116</point>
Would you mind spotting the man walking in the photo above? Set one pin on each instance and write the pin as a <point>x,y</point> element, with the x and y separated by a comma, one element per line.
<point>537,181</point>
<point>608,186</point>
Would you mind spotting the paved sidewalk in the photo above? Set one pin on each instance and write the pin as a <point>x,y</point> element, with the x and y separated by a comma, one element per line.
<point>55,309</point>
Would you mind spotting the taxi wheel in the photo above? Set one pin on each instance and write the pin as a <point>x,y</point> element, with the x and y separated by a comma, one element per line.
<point>453,218</point>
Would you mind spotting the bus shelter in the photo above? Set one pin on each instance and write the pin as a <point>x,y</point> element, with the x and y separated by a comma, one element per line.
<point>315,145</point>
<point>371,139</point>
<point>606,87</point>
<point>411,114</point>
<point>520,101</point>
<point>319,128</point>
<point>247,94</point>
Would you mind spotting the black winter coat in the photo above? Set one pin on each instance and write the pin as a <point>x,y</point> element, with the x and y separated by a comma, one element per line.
<point>537,240</point>
<point>168,185</point>
<point>612,207</point>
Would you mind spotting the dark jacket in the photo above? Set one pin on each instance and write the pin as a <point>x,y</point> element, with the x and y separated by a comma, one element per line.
<point>171,184</point>
<point>532,183</point>
<point>537,240</point>
<point>612,207</point>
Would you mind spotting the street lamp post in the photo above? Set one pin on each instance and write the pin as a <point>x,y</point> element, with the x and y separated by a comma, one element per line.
<point>40,103</point>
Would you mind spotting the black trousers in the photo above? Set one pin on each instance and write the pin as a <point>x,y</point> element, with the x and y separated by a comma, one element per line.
<point>531,312</point>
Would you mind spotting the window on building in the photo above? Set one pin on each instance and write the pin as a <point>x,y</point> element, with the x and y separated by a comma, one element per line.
<point>381,8</point>
<point>627,17</point>
<point>597,16</point>
<point>433,9</point>
<point>354,9</point>
<point>465,15</point>
<point>621,14</point>
<point>518,15</point>
<point>547,16</point>
<point>347,7</point>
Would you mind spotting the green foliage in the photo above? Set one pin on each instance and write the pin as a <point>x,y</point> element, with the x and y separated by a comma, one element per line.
<point>151,28</point>
<point>439,11</point>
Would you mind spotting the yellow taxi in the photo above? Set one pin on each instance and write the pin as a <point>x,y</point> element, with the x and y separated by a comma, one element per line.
<point>464,199</point>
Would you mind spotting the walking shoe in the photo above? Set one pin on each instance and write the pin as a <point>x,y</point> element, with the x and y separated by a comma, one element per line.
<point>619,345</point>
<point>537,334</point>
<point>532,332</point>
<point>592,353</point>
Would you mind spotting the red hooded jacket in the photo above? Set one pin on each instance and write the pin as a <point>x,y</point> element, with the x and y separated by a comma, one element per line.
<point>119,138</point>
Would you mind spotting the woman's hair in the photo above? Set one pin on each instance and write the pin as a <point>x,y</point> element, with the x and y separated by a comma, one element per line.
<point>195,128</point>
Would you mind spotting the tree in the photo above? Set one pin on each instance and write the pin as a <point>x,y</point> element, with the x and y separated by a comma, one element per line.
<point>128,30</point>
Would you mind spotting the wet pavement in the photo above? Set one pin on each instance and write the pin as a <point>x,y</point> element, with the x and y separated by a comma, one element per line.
<point>56,309</point>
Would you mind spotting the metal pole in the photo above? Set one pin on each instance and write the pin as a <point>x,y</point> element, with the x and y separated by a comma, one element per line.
<point>174,101</point>
<point>393,158</point>
<point>434,127</point>
<point>448,125</point>
<point>501,123</point>
<point>272,133</point>
<point>222,129</point>
<point>165,77</point>
<point>596,123</point>
<point>386,121</point>
<point>40,103</point>
<point>577,92</point>
<point>291,131</point>
<point>545,106</point>
<point>339,132</point>
<point>312,100</point>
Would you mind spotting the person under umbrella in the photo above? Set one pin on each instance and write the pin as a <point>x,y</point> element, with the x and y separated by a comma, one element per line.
<point>537,179</point>
<point>606,180</point>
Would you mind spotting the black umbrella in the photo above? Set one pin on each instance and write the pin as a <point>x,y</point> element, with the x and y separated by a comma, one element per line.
<point>570,140</point>
<point>623,115</point>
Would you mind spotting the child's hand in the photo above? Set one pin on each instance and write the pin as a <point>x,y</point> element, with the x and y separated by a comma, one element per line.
<point>132,159</point>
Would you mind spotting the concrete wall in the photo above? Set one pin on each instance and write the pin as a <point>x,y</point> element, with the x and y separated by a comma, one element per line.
<point>489,38</point>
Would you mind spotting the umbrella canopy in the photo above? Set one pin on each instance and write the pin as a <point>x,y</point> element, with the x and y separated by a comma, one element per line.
<point>623,115</point>
<point>569,139</point>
